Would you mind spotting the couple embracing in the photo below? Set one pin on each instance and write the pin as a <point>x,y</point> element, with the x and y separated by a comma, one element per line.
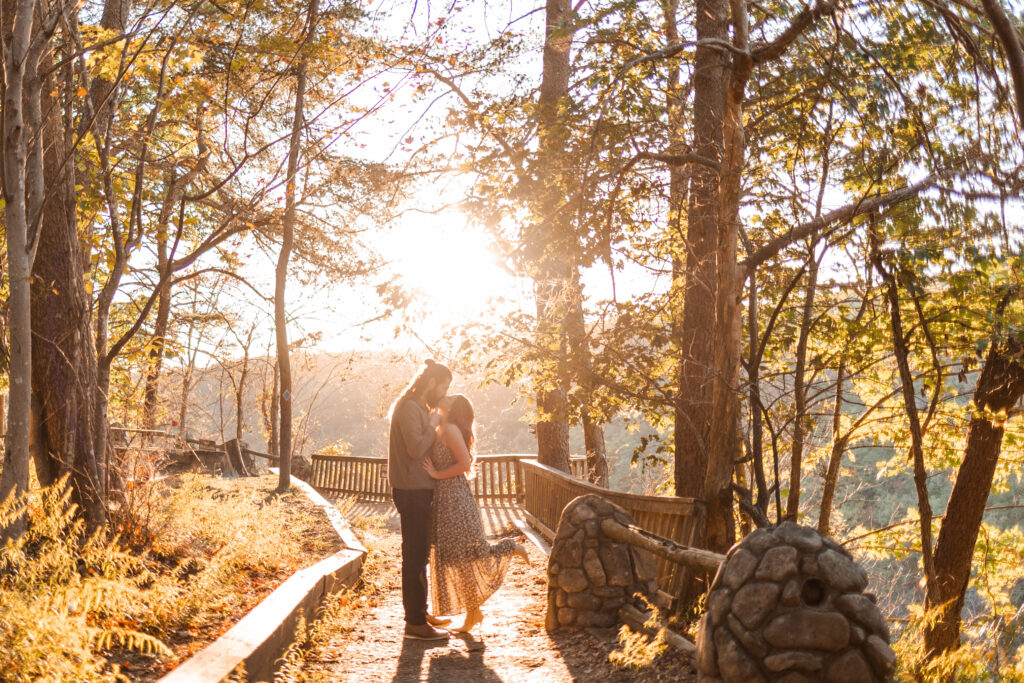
<point>430,454</point>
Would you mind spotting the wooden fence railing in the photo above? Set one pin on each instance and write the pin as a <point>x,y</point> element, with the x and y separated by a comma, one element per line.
<point>348,475</point>
<point>498,478</point>
<point>547,492</point>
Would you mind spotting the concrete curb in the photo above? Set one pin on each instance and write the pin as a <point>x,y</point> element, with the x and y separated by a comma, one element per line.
<point>263,635</point>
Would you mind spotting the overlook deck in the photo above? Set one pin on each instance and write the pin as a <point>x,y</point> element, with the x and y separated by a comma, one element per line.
<point>516,488</point>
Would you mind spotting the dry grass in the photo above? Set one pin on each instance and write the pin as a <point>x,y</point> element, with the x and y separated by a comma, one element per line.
<point>637,649</point>
<point>102,608</point>
<point>339,612</point>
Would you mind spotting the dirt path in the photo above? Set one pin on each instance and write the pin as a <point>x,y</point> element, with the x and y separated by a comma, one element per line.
<point>511,644</point>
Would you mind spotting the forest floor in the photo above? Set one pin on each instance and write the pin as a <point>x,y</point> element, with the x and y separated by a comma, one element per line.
<point>221,546</point>
<point>511,644</point>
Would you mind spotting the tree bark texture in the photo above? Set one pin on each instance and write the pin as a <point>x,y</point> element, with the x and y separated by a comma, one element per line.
<point>17,34</point>
<point>724,450</point>
<point>158,341</point>
<point>67,438</point>
<point>695,334</point>
<point>274,411</point>
<point>579,350</point>
<point>547,237</point>
<point>999,386</point>
<point>52,368</point>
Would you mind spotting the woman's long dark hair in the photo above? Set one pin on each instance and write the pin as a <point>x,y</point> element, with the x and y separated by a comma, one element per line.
<point>431,372</point>
<point>460,414</point>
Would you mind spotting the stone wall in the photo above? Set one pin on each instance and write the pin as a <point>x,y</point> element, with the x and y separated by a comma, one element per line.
<point>789,605</point>
<point>590,576</point>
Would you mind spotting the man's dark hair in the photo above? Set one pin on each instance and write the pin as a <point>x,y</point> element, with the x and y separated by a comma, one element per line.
<point>432,372</point>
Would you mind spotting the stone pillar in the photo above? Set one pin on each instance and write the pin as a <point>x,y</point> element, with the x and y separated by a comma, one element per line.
<point>591,576</point>
<point>789,605</point>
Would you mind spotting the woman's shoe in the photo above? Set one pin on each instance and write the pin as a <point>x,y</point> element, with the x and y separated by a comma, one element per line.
<point>520,552</point>
<point>473,619</point>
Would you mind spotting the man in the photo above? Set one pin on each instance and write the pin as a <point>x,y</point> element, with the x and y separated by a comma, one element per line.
<point>412,437</point>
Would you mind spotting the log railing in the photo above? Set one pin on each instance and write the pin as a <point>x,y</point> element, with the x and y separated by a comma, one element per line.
<point>547,491</point>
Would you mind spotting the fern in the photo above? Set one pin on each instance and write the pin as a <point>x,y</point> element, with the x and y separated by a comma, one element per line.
<point>80,584</point>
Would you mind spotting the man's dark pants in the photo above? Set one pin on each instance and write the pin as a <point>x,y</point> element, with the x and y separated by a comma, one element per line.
<point>414,511</point>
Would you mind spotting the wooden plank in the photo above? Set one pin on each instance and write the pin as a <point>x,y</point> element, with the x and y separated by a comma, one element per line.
<point>520,494</point>
<point>495,481</point>
<point>539,525</point>
<point>509,490</point>
<point>534,537</point>
<point>491,476</point>
<point>503,479</point>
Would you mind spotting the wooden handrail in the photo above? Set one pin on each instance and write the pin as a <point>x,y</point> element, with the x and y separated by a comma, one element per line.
<point>547,491</point>
<point>498,477</point>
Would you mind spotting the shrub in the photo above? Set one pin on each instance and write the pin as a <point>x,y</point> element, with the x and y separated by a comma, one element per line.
<point>60,593</point>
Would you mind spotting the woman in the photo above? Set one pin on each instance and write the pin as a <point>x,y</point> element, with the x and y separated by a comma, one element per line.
<point>465,569</point>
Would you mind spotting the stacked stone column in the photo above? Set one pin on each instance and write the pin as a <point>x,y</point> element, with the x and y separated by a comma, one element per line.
<point>789,605</point>
<point>591,576</point>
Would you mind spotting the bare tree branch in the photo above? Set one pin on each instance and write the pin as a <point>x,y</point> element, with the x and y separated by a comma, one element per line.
<point>838,216</point>
<point>773,50</point>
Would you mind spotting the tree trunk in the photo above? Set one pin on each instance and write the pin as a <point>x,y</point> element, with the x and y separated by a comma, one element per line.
<point>902,354</point>
<point>158,341</point>
<point>20,250</point>
<point>724,449</point>
<point>693,398</point>
<point>288,229</point>
<point>800,391</point>
<point>68,439</point>
<point>754,389</point>
<point>548,235</point>
<point>679,182</point>
<point>272,416</point>
<point>835,458</point>
<point>1000,385</point>
<point>240,398</point>
<point>579,350</point>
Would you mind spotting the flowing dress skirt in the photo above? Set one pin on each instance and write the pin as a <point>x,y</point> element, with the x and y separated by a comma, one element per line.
<point>465,569</point>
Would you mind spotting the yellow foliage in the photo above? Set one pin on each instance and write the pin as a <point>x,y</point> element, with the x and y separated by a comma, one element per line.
<point>213,541</point>
<point>637,650</point>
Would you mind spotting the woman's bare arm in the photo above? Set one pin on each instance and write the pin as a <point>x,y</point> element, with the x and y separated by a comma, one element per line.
<point>452,438</point>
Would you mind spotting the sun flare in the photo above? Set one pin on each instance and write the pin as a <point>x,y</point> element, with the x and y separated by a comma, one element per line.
<point>451,268</point>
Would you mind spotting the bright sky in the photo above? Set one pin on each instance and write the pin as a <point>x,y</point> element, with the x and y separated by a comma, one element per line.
<point>444,259</point>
